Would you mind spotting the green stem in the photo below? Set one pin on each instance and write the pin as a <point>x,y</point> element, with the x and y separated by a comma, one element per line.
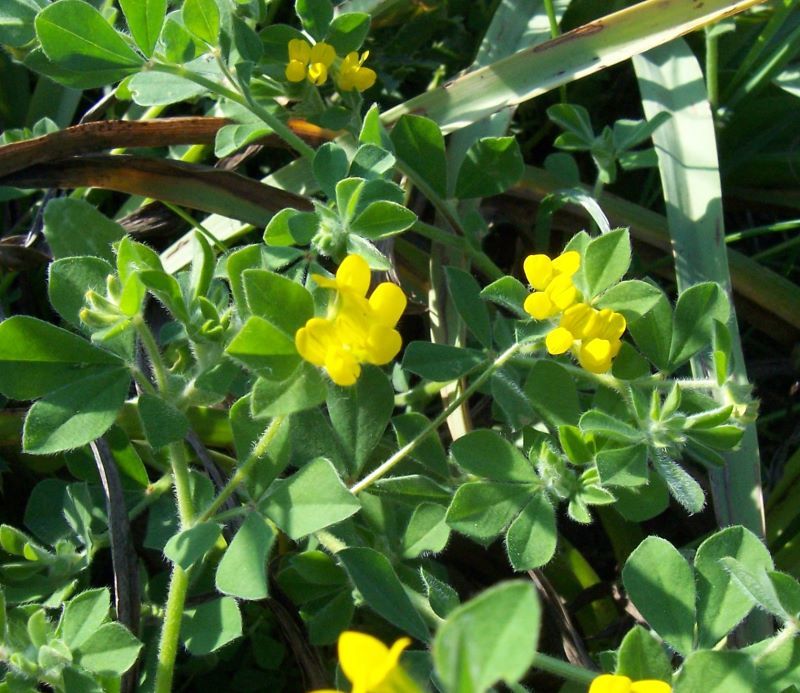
<point>412,444</point>
<point>273,122</point>
<point>563,669</point>
<point>480,259</point>
<point>151,347</point>
<point>168,647</point>
<point>241,473</point>
<point>555,31</point>
<point>189,219</point>
<point>183,489</point>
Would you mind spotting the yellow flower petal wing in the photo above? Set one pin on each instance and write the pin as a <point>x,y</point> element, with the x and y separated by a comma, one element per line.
<point>650,686</point>
<point>538,270</point>
<point>388,302</point>
<point>315,339</point>
<point>559,340</point>
<point>354,273</point>
<point>364,659</point>
<point>609,683</point>
<point>567,263</point>
<point>383,344</point>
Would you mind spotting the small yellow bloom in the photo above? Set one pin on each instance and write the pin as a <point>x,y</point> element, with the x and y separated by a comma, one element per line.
<point>551,280</point>
<point>612,683</point>
<point>357,330</point>
<point>593,335</point>
<point>307,61</point>
<point>353,74</point>
<point>371,666</point>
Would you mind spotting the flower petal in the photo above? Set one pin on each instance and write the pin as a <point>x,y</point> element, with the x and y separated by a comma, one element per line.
<point>315,339</point>
<point>388,302</point>
<point>322,53</point>
<point>300,50</point>
<point>562,291</point>
<point>295,71</point>
<point>559,340</point>
<point>538,270</point>
<point>317,73</point>
<point>342,367</point>
<point>363,659</point>
<point>595,355</point>
<point>364,78</point>
<point>539,306</point>
<point>609,683</point>
<point>567,263</point>
<point>355,274</point>
<point>383,344</point>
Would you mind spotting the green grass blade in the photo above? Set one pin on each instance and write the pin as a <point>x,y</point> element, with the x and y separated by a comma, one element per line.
<point>670,80</point>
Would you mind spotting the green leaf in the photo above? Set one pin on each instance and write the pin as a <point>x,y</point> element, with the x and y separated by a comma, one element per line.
<point>161,89</point>
<point>16,22</point>
<point>145,19</point>
<point>606,260</point>
<point>279,300</point>
<point>600,422</point>
<point>574,119</point>
<point>167,290</point>
<point>491,166</point>
<point>75,36</point>
<point>633,298</point>
<point>304,389</point>
<point>509,293</point>
<point>481,510</point>
<point>77,413</point>
<point>190,545</point>
<point>574,444</point>
<point>360,414</point>
<point>374,577</point>
<point>440,361</point>
<point>381,219</point>
<point>756,584</point>
<point>486,453</point>
<point>623,466</point>
<point>69,280</point>
<point>426,531</point>
<point>696,311</point>
<point>642,656</point>
<point>531,539</point>
<point>265,349</point>
<point>211,625</point>
<point>442,597</point>
<point>83,615</point>
<point>44,511</point>
<point>232,138</point>
<point>429,452</point>
<point>202,19</point>
<point>653,331</point>
<point>466,295</point>
<point>419,146</point>
<point>660,583</point>
<point>111,650</point>
<point>681,484</point>
<point>77,681</point>
<point>163,423</point>
<point>552,392</point>
<point>348,31</point>
<point>65,224</point>
<point>330,165</point>
<point>717,672</point>
<point>133,258</point>
<point>489,639</point>
<point>242,572</point>
<point>309,500</point>
<point>642,502</point>
<point>316,16</point>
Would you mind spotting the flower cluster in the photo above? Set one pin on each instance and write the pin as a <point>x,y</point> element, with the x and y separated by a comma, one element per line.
<point>357,330</point>
<point>371,666</point>
<point>592,335</point>
<point>613,683</point>
<point>314,63</point>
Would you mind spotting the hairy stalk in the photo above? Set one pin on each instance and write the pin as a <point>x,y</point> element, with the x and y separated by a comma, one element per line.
<point>412,444</point>
<point>241,473</point>
<point>563,669</point>
<point>273,122</point>
<point>168,647</point>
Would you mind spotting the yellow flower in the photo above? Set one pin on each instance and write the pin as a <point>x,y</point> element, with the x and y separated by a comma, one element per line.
<point>371,666</point>
<point>593,335</point>
<point>353,74</point>
<point>357,330</point>
<point>612,683</point>
<point>552,284</point>
<point>307,61</point>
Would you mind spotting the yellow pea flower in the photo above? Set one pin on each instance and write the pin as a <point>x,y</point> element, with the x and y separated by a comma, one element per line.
<point>353,74</point>
<point>309,62</point>
<point>613,683</point>
<point>357,330</point>
<point>371,666</point>
<point>552,283</point>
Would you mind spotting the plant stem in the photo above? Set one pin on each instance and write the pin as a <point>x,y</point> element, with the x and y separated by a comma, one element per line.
<point>183,490</point>
<point>273,122</point>
<point>481,260</point>
<point>563,669</point>
<point>168,647</point>
<point>241,473</point>
<point>412,444</point>
<point>712,67</point>
<point>151,347</point>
